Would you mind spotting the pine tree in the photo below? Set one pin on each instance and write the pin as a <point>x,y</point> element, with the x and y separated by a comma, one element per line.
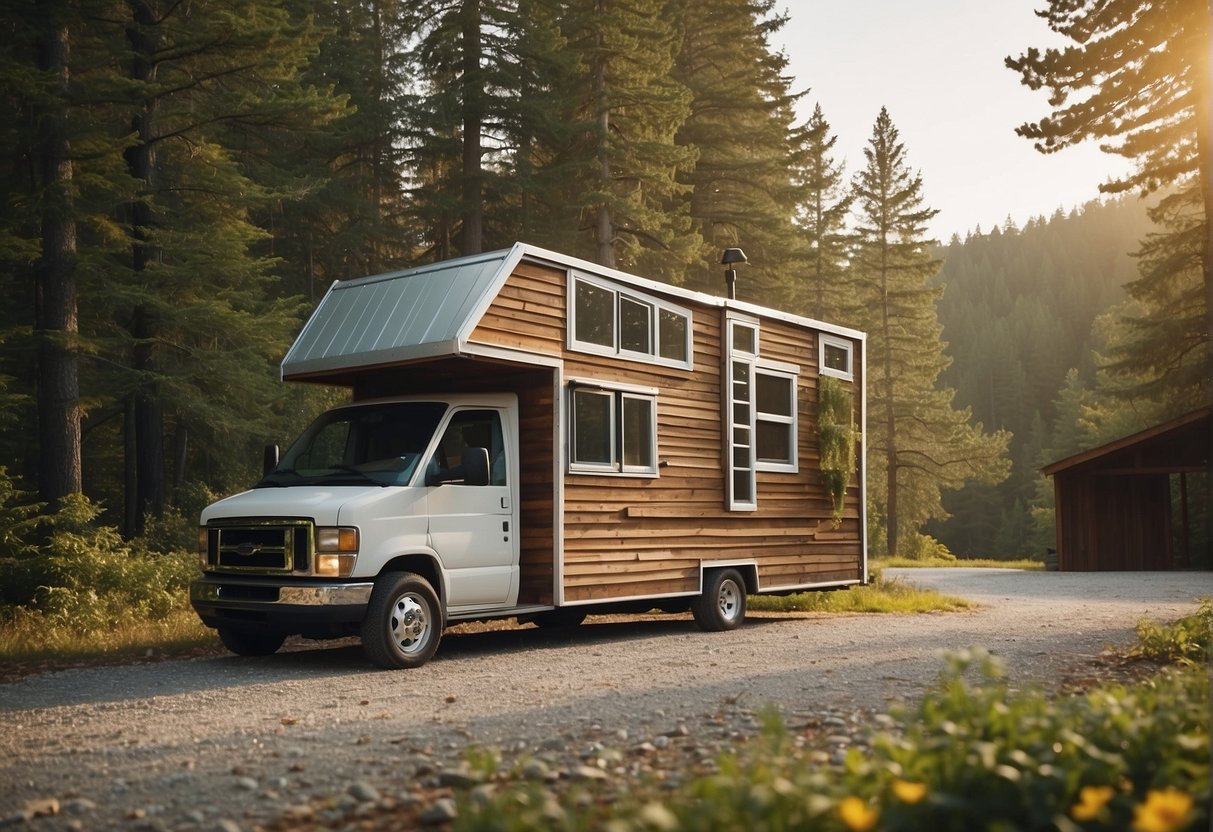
<point>55,93</point>
<point>1138,79</point>
<point>341,210</point>
<point>741,126</point>
<point>193,299</point>
<point>823,210</point>
<point>631,204</point>
<point>918,442</point>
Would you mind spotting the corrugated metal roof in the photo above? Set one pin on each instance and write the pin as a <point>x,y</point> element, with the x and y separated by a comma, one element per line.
<point>430,311</point>
<point>388,318</point>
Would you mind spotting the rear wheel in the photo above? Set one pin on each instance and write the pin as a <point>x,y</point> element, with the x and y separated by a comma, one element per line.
<point>722,604</point>
<point>403,621</point>
<point>244,641</point>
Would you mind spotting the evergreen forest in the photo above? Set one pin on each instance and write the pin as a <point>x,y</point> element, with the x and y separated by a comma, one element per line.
<point>182,182</point>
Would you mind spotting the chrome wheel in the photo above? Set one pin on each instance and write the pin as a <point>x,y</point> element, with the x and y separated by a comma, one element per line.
<point>403,622</point>
<point>410,623</point>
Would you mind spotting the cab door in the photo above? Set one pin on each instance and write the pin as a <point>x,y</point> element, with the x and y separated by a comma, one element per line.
<point>474,528</point>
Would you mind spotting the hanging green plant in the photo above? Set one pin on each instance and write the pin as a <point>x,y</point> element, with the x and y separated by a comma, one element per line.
<point>836,426</point>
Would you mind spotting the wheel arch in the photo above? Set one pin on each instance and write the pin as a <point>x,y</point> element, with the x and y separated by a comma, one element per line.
<point>748,569</point>
<point>424,564</point>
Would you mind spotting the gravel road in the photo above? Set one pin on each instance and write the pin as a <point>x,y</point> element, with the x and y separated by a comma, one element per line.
<point>229,743</point>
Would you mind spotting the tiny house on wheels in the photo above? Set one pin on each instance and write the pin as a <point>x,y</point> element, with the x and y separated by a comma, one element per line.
<point>534,436</point>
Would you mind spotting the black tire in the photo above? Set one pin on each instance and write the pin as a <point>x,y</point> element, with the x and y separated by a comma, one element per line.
<point>560,618</point>
<point>245,641</point>
<point>403,623</point>
<point>722,604</point>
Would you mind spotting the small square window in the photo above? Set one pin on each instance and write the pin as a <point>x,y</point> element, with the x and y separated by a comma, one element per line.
<point>835,357</point>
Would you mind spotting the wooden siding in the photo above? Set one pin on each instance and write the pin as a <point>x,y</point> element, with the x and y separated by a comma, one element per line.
<point>627,537</point>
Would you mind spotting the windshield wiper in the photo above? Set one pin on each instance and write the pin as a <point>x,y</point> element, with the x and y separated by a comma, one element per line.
<point>363,474</point>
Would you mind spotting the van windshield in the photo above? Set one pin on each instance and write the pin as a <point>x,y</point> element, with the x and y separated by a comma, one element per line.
<point>379,444</point>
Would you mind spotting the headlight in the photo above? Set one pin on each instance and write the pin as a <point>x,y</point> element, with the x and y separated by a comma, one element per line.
<point>203,548</point>
<point>336,551</point>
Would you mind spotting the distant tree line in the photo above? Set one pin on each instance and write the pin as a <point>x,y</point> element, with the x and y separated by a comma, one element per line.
<point>185,179</point>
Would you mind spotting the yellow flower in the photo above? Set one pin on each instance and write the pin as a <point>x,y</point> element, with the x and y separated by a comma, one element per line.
<point>1091,801</point>
<point>857,815</point>
<point>908,792</point>
<point>1165,810</point>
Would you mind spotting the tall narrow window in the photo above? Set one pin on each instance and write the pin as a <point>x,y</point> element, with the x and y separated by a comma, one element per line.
<point>741,354</point>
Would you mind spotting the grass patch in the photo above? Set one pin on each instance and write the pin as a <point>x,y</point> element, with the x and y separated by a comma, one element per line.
<point>27,637</point>
<point>894,595</point>
<point>935,563</point>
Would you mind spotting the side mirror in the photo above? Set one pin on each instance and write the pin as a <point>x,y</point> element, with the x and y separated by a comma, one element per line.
<point>473,469</point>
<point>269,459</point>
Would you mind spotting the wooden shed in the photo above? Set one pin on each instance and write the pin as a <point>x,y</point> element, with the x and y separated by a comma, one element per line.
<point>1138,503</point>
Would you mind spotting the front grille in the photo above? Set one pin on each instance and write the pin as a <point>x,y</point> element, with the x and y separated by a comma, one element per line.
<point>253,547</point>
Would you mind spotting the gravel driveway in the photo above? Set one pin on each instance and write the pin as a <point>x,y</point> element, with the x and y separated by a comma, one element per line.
<point>230,743</point>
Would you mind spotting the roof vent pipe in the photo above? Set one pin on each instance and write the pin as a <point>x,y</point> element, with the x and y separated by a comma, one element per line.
<point>732,256</point>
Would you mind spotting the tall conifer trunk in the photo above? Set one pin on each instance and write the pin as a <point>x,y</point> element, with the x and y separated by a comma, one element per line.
<point>891,507</point>
<point>473,125</point>
<point>148,442</point>
<point>603,233</point>
<point>1204,155</point>
<point>55,313</point>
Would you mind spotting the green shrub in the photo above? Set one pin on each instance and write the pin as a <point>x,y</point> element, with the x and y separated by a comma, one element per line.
<point>85,577</point>
<point>838,438</point>
<point>917,546</point>
<point>1186,641</point>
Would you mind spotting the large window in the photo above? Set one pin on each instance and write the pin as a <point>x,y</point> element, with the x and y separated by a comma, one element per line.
<point>614,430</point>
<point>612,320</point>
<point>774,419</point>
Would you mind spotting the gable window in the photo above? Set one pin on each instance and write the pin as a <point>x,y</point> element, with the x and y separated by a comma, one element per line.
<point>608,319</point>
<point>613,430</point>
<point>835,357</point>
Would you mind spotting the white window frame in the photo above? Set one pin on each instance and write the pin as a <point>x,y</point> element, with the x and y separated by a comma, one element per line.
<point>732,356</point>
<point>618,393</point>
<point>823,341</point>
<point>621,294</point>
<point>790,373</point>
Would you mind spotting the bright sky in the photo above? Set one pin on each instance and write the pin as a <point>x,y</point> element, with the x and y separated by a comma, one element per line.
<point>937,65</point>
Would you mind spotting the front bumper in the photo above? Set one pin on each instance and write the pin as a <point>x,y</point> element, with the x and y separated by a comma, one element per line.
<point>289,605</point>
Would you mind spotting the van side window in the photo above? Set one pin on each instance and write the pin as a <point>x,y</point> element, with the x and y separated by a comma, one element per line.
<point>474,429</point>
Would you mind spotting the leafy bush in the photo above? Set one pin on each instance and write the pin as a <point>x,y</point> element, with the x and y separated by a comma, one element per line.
<point>77,574</point>
<point>917,546</point>
<point>1186,641</point>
